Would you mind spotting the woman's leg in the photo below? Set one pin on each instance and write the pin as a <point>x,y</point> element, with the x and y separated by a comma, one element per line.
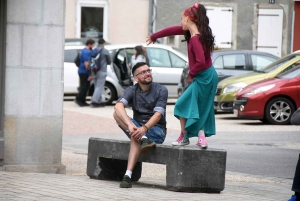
<point>182,124</point>
<point>183,137</point>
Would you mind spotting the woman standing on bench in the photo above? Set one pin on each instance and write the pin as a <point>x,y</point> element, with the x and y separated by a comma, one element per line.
<point>195,107</point>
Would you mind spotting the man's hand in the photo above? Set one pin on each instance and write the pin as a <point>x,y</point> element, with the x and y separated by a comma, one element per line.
<point>132,128</point>
<point>138,133</point>
<point>149,41</point>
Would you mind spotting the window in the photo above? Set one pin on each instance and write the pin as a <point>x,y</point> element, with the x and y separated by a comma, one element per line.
<point>177,62</point>
<point>70,55</point>
<point>92,22</point>
<point>158,57</point>
<point>129,53</point>
<point>235,61</point>
<point>291,68</point>
<point>260,62</point>
<point>218,63</point>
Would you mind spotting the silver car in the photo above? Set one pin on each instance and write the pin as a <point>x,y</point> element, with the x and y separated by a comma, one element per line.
<point>165,61</point>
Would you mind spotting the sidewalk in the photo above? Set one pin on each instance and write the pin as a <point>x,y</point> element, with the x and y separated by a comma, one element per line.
<point>32,186</point>
<point>75,185</point>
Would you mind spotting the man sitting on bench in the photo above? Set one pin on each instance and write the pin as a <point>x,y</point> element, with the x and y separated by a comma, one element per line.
<point>148,125</point>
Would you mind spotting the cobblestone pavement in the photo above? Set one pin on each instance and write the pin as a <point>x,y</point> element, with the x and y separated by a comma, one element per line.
<point>33,186</point>
<point>75,185</point>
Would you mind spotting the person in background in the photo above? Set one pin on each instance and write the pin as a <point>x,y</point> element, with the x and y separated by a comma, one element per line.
<point>101,74</point>
<point>83,72</point>
<point>195,107</point>
<point>138,56</point>
<point>295,120</point>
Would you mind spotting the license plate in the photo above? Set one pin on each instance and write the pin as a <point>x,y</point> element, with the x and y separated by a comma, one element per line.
<point>235,112</point>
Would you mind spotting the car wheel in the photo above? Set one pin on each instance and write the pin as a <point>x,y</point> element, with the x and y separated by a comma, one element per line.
<point>264,120</point>
<point>109,94</point>
<point>279,111</point>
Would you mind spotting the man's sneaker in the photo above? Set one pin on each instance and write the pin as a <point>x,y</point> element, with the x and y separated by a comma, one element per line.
<point>202,142</point>
<point>293,198</point>
<point>146,144</point>
<point>126,182</point>
<point>182,140</point>
<point>78,102</point>
<point>85,104</point>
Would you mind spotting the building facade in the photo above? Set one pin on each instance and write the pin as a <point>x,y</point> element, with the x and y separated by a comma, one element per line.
<point>116,21</point>
<point>263,25</point>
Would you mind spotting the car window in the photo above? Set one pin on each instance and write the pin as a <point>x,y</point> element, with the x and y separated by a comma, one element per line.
<point>290,68</point>
<point>179,52</point>
<point>259,61</point>
<point>177,62</point>
<point>279,63</point>
<point>129,53</point>
<point>121,56</point>
<point>290,73</point>
<point>70,55</point>
<point>234,61</point>
<point>158,57</point>
<point>218,63</point>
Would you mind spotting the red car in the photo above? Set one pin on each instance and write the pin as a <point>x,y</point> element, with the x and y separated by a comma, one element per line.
<point>273,100</point>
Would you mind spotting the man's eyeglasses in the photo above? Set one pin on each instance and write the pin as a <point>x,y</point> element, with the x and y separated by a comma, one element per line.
<point>144,72</point>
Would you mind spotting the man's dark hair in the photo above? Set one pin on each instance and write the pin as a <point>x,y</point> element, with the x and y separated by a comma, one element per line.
<point>137,65</point>
<point>101,41</point>
<point>90,42</point>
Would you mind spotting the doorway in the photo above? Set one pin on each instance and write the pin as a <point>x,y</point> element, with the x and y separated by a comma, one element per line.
<point>3,9</point>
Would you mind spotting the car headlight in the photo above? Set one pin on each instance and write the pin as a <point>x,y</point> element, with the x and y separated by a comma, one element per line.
<point>234,87</point>
<point>260,90</point>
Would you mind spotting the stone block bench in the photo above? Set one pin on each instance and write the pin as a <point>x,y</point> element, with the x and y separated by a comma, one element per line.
<point>189,168</point>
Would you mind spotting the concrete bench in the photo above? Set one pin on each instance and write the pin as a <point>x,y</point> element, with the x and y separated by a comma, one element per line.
<point>189,168</point>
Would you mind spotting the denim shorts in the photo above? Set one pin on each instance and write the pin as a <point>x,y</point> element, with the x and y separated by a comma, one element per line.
<point>156,133</point>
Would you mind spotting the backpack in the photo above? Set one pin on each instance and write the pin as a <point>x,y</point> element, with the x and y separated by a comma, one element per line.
<point>77,59</point>
<point>93,61</point>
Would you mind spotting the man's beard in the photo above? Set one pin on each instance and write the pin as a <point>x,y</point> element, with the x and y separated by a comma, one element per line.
<point>145,82</point>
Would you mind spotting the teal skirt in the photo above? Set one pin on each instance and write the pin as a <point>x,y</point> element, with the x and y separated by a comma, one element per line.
<point>196,104</point>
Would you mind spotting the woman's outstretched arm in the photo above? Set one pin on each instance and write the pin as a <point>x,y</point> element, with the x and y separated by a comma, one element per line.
<point>170,31</point>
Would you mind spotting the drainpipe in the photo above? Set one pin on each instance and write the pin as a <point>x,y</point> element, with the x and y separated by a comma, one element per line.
<point>152,17</point>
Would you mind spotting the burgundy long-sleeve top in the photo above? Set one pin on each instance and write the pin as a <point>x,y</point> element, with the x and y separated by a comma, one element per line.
<point>199,60</point>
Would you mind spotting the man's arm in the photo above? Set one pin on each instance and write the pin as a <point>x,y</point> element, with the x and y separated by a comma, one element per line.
<point>86,58</point>
<point>121,114</point>
<point>108,57</point>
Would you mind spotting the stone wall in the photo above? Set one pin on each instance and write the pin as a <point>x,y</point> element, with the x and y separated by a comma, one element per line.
<point>34,86</point>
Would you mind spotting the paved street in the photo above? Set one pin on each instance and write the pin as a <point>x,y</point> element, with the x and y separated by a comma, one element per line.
<point>260,165</point>
<point>252,147</point>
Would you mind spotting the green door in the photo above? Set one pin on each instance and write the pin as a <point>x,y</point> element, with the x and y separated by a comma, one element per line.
<point>3,9</point>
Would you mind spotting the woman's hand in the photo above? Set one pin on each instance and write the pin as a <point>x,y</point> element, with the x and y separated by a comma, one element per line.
<point>189,79</point>
<point>149,41</point>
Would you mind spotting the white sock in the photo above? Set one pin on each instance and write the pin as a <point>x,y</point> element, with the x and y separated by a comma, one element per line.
<point>201,133</point>
<point>128,173</point>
